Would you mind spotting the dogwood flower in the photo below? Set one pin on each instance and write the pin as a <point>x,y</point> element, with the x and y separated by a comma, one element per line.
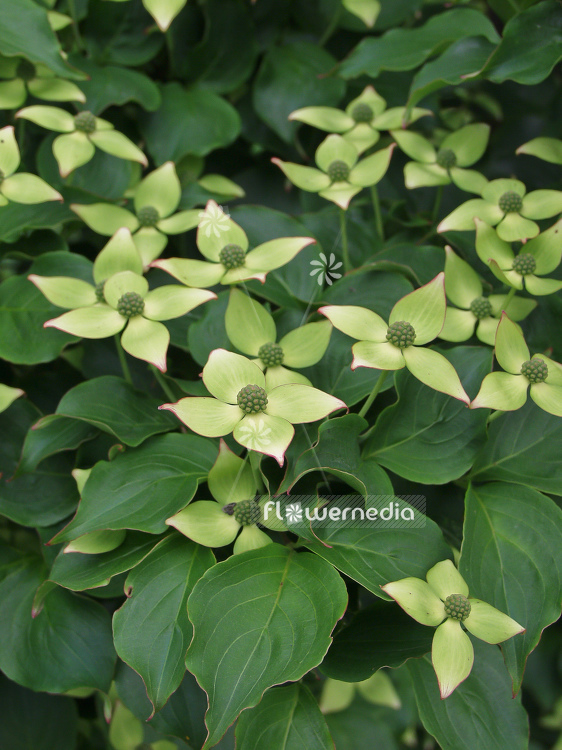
<point>20,187</point>
<point>18,76</point>
<point>227,252</point>
<point>537,257</point>
<point>163,11</point>
<point>234,514</point>
<point>339,175</point>
<point>418,317</point>
<point>506,206</point>
<point>259,418</point>
<point>155,199</point>
<point>81,134</point>
<point>464,289</point>
<point>539,375</point>
<point>252,330</point>
<point>443,601</point>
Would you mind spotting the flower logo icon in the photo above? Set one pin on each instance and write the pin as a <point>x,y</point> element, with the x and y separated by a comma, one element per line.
<point>327,269</point>
<point>293,513</point>
<point>256,433</point>
<point>214,220</point>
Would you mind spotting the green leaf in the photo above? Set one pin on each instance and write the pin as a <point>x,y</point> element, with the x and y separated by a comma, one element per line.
<point>286,717</point>
<point>293,76</point>
<point>379,635</point>
<point>480,713</point>
<point>531,62</point>
<point>70,638</point>
<point>265,615</point>
<point>52,435</point>
<point>78,572</point>
<point>17,217</point>
<point>511,560</point>
<point>189,122</point>
<point>523,447</point>
<point>34,40</point>
<point>114,85</point>
<point>209,331</point>
<point>404,49</point>
<point>139,489</point>
<point>427,436</point>
<point>152,630</point>
<point>130,415</point>
<point>54,724</point>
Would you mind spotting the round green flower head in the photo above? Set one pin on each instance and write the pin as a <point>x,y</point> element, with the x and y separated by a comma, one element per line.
<point>247,512</point>
<point>130,304</point>
<point>99,291</point>
<point>525,264</point>
<point>535,370</point>
<point>271,354</point>
<point>85,122</point>
<point>252,399</point>
<point>338,171</point>
<point>148,216</point>
<point>510,202</point>
<point>481,308</point>
<point>26,71</point>
<point>232,256</point>
<point>362,112</point>
<point>446,158</point>
<point>457,607</point>
<point>401,334</point>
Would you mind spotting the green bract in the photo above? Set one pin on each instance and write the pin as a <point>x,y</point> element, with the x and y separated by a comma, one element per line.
<point>252,330</point>
<point>507,391</point>
<point>340,176</point>
<point>361,122</point>
<point>414,321</point>
<point>548,149</point>
<point>20,187</point>
<point>506,206</point>
<point>81,134</point>
<point>8,395</point>
<point>215,524</point>
<point>19,76</point>
<point>443,601</point>
<point>378,689</point>
<point>447,164</point>
<point>163,11</point>
<point>225,245</point>
<point>123,302</point>
<point>537,257</point>
<point>269,430</point>
<point>465,290</point>
<point>155,199</point>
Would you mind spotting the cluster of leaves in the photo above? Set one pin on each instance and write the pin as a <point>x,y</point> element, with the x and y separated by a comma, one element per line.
<point>194,355</point>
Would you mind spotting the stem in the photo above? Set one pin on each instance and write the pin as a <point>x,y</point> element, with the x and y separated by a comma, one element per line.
<point>75,29</point>
<point>162,382</point>
<point>374,393</point>
<point>123,360</point>
<point>494,415</point>
<point>377,211</point>
<point>437,204</point>
<point>510,296</point>
<point>332,26</point>
<point>343,230</point>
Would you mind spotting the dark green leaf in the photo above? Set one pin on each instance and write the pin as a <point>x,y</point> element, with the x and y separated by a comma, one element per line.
<point>52,435</point>
<point>112,85</point>
<point>363,726</point>
<point>208,332</point>
<point>377,290</point>
<point>17,217</point>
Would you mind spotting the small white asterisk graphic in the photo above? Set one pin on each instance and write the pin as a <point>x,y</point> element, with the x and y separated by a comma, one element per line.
<point>256,434</point>
<point>326,269</point>
<point>293,513</point>
<point>214,220</point>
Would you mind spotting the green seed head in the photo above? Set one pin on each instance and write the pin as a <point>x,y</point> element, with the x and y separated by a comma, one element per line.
<point>271,354</point>
<point>457,607</point>
<point>510,202</point>
<point>525,264</point>
<point>232,256</point>
<point>148,216</point>
<point>252,399</point>
<point>26,71</point>
<point>338,171</point>
<point>481,308</point>
<point>247,512</point>
<point>99,291</point>
<point>446,158</point>
<point>85,122</point>
<point>130,304</point>
<point>362,113</point>
<point>535,370</point>
<point>401,334</point>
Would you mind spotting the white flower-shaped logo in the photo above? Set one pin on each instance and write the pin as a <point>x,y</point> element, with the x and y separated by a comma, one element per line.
<point>326,269</point>
<point>293,513</point>
<point>256,433</point>
<point>214,220</point>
